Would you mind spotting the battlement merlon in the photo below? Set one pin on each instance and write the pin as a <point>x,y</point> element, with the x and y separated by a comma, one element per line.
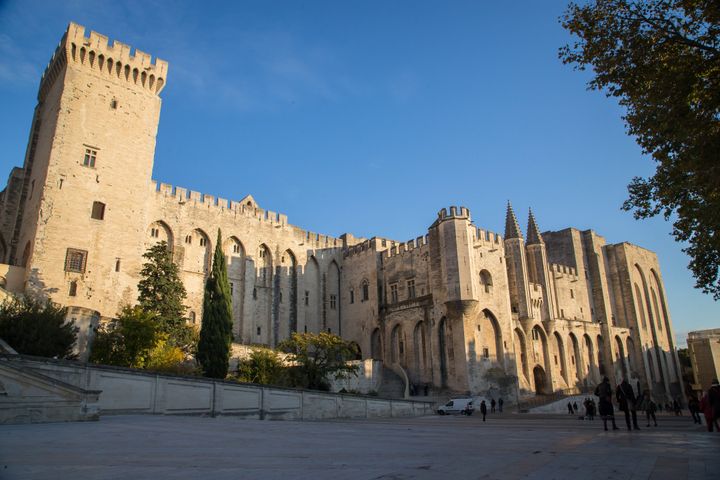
<point>194,199</point>
<point>117,59</point>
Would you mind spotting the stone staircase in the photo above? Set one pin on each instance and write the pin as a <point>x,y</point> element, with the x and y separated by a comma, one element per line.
<point>392,386</point>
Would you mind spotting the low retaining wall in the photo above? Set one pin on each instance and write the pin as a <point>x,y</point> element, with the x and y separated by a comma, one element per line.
<point>135,391</point>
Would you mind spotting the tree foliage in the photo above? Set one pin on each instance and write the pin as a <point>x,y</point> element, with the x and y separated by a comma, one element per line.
<point>162,293</point>
<point>216,330</point>
<point>262,366</point>
<point>36,327</point>
<point>318,357</point>
<point>127,341</point>
<point>661,60</point>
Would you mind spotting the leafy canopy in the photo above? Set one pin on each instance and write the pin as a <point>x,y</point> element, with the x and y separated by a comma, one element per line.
<point>262,366</point>
<point>127,341</point>
<point>318,357</point>
<point>162,293</point>
<point>216,330</point>
<point>661,60</point>
<point>36,327</point>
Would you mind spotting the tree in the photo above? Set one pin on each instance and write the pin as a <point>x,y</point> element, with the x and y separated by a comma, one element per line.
<point>216,330</point>
<point>318,357</point>
<point>162,293</point>
<point>262,366</point>
<point>661,60</point>
<point>36,327</point>
<point>127,341</point>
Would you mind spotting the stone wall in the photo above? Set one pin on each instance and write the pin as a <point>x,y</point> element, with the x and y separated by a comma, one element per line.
<point>127,391</point>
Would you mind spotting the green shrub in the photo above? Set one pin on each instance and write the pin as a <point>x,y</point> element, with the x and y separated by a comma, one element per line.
<point>37,327</point>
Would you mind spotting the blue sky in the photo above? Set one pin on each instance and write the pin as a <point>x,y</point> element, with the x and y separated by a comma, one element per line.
<point>368,117</point>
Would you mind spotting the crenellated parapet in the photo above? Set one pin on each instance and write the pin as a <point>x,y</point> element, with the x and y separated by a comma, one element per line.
<point>374,245</point>
<point>454,212</point>
<point>564,271</point>
<point>413,246</point>
<point>488,239</point>
<point>117,61</point>
<point>249,210</point>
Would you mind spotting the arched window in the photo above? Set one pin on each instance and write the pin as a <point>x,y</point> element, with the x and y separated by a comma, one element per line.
<point>486,281</point>
<point>365,290</point>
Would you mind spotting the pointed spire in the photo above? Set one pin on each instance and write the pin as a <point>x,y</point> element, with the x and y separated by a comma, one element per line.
<point>512,229</point>
<point>533,235</point>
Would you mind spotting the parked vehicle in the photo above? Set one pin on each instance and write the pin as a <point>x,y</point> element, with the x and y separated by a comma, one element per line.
<point>462,406</point>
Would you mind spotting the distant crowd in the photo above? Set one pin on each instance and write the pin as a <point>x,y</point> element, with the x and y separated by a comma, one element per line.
<point>630,404</point>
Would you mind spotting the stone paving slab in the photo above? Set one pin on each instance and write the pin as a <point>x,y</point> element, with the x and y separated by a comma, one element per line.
<point>507,446</point>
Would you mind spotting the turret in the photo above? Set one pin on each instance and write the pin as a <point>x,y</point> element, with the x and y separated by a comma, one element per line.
<point>538,269</point>
<point>516,265</point>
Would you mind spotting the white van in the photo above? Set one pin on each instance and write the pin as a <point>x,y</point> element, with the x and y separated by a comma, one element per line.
<point>463,406</point>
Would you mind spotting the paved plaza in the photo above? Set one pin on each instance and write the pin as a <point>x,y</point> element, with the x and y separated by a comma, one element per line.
<point>505,447</point>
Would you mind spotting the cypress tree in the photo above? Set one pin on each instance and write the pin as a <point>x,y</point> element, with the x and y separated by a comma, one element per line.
<point>216,331</point>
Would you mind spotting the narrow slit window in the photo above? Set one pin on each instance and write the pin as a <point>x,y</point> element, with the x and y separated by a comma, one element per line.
<point>73,289</point>
<point>98,211</point>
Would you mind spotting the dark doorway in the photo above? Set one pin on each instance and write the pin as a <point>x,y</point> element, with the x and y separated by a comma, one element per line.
<point>539,376</point>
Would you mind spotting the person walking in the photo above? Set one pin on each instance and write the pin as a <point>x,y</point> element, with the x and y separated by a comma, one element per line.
<point>492,405</point>
<point>570,409</point>
<point>604,393</point>
<point>694,407</point>
<point>575,407</point>
<point>650,408</point>
<point>500,404</point>
<point>714,402</point>
<point>627,402</point>
<point>676,408</point>
<point>483,409</point>
<point>707,409</point>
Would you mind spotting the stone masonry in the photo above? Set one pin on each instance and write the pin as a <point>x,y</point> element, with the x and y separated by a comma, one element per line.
<point>458,308</point>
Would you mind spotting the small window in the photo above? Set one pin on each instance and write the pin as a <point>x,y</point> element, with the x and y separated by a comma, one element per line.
<point>393,293</point>
<point>572,294</point>
<point>232,288</point>
<point>192,318</point>
<point>333,302</point>
<point>556,360</point>
<point>90,157</point>
<point>117,264</point>
<point>411,288</point>
<point>155,232</point>
<point>352,296</point>
<point>329,330</point>
<point>203,241</point>
<point>254,293</point>
<point>573,359</point>
<point>307,298</point>
<point>75,260</point>
<point>236,248</point>
<point>365,291</point>
<point>98,211</point>
<point>73,289</point>
<point>280,295</point>
<point>305,329</point>
<point>259,330</point>
<point>113,104</point>
<point>562,313</point>
<point>486,352</point>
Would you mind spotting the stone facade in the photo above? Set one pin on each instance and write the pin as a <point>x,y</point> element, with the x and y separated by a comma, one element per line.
<point>459,308</point>
<point>704,350</point>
